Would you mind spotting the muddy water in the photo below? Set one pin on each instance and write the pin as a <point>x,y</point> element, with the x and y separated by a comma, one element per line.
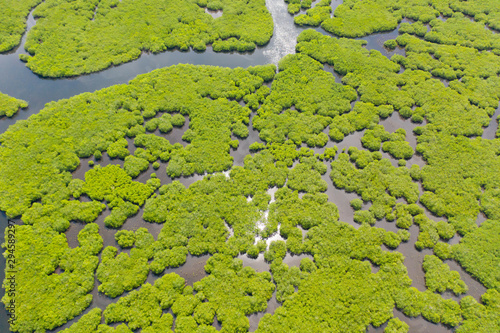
<point>490,131</point>
<point>341,199</point>
<point>417,325</point>
<point>244,146</point>
<point>214,13</point>
<point>260,265</point>
<point>19,82</point>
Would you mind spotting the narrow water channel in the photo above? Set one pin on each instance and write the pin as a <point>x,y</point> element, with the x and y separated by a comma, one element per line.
<point>18,81</point>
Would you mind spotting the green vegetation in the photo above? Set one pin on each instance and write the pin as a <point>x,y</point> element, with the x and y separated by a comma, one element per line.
<point>294,6</point>
<point>360,18</point>
<point>480,318</point>
<point>125,238</point>
<point>443,250</point>
<point>303,100</point>
<point>143,307</point>
<point>478,253</point>
<point>286,279</point>
<point>458,179</point>
<point>404,235</point>
<point>77,37</point>
<point>201,227</point>
<point>10,105</point>
<point>390,44</point>
<point>290,211</point>
<point>13,22</point>
<point>277,249</point>
<point>120,273</point>
<point>135,165</point>
<point>230,292</point>
<point>349,278</point>
<point>356,204</point>
<point>340,277</point>
<point>430,305</point>
<point>375,180</point>
<point>39,250</point>
<point>447,61</point>
<point>459,170</point>
<point>328,284</point>
<point>439,277</point>
<point>461,30</point>
<point>112,184</point>
<point>481,10</point>
<point>90,322</point>
<point>458,167</point>
<point>233,291</point>
<point>100,121</point>
<point>463,114</point>
<point>393,144</point>
<point>306,176</point>
<point>354,18</point>
<point>328,155</point>
<point>316,15</point>
<point>431,231</point>
<point>219,201</point>
<point>396,326</point>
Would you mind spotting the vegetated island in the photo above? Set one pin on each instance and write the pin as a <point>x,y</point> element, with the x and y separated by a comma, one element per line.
<point>77,37</point>
<point>9,106</point>
<point>335,287</point>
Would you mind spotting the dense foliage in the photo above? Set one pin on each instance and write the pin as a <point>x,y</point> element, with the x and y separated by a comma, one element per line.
<point>354,18</point>
<point>392,143</point>
<point>338,284</point>
<point>303,100</point>
<point>119,273</point>
<point>76,37</point>
<point>100,121</point>
<point>445,88</point>
<point>438,276</point>
<point>480,318</point>
<point>10,105</point>
<point>458,179</point>
<point>45,298</point>
<point>233,291</point>
<point>478,253</point>
<point>375,180</point>
<point>13,15</point>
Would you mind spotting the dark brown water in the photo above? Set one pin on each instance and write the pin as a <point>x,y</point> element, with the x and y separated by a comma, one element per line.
<point>244,146</point>
<point>417,325</point>
<point>193,270</point>
<point>490,131</point>
<point>18,81</point>
<point>214,13</point>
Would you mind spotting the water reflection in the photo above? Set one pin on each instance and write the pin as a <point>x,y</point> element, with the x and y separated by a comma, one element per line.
<point>214,13</point>
<point>489,132</point>
<point>417,325</point>
<point>20,82</point>
<point>260,265</point>
<point>4,326</point>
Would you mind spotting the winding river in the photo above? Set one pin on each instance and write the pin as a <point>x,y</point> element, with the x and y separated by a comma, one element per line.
<point>18,81</point>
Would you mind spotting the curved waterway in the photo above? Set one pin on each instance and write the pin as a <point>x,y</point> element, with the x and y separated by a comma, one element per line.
<point>18,81</point>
